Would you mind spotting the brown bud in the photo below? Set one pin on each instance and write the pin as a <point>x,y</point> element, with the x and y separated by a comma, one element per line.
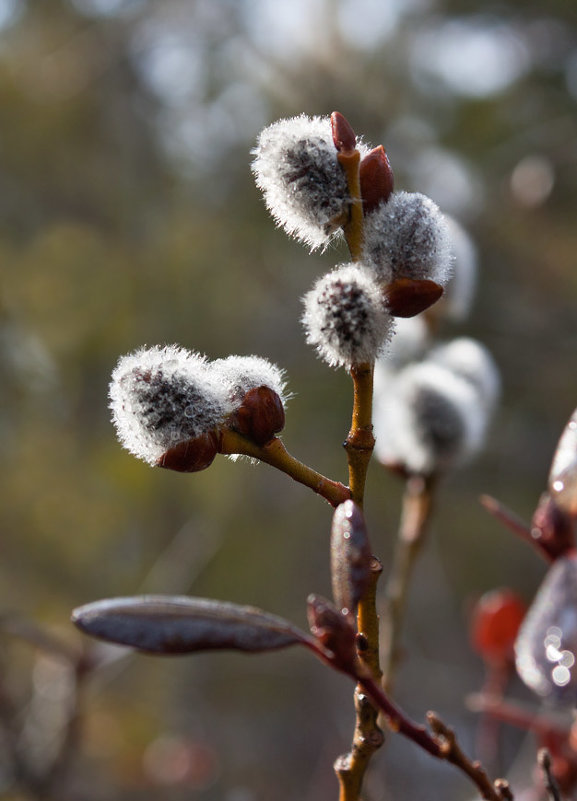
<point>260,416</point>
<point>552,528</point>
<point>192,455</point>
<point>407,298</point>
<point>350,556</point>
<point>343,134</point>
<point>335,631</point>
<point>563,473</point>
<point>376,178</point>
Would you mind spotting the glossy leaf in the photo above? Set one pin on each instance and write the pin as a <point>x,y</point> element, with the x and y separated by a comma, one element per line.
<point>161,624</point>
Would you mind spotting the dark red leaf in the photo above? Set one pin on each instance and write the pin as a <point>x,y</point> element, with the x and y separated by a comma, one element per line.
<point>163,624</point>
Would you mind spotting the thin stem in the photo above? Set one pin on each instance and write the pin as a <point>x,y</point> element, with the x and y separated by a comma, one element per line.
<point>353,229</point>
<point>514,524</point>
<point>360,440</point>
<point>489,729</point>
<point>416,514</point>
<point>368,737</point>
<point>515,714</point>
<point>275,454</point>
<point>544,762</point>
<point>442,744</point>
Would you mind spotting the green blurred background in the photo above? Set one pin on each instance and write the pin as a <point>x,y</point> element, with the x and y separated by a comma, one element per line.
<point>128,216</point>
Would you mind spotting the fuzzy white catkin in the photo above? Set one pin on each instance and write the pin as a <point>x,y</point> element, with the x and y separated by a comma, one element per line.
<point>472,361</point>
<point>162,396</point>
<point>243,373</point>
<point>429,420</point>
<point>345,317</point>
<point>459,292</point>
<point>303,184</point>
<point>407,237</point>
<point>409,344</point>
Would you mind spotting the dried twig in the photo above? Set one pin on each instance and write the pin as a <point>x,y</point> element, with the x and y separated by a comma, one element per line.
<point>544,762</point>
<point>417,509</point>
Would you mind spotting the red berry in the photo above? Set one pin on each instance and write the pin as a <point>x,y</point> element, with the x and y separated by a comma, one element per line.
<point>495,623</point>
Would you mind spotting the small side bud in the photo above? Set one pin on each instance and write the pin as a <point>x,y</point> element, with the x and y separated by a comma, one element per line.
<point>563,473</point>
<point>377,181</point>
<point>260,415</point>
<point>406,297</point>
<point>553,528</point>
<point>343,135</point>
<point>350,556</point>
<point>257,391</point>
<point>334,630</point>
<point>192,455</point>
<point>345,317</point>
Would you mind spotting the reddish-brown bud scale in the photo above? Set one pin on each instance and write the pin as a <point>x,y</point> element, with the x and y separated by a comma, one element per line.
<point>407,298</point>
<point>553,528</point>
<point>191,456</point>
<point>335,630</point>
<point>495,624</point>
<point>376,177</point>
<point>343,135</point>
<point>260,416</point>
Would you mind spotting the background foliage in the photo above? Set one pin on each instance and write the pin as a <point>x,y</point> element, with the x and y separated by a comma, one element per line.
<point>128,216</point>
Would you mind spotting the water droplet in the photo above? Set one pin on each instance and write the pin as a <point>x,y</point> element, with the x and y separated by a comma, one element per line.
<point>189,411</point>
<point>547,642</point>
<point>561,676</point>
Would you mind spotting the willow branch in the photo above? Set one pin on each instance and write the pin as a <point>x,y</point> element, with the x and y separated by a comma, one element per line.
<point>514,524</point>
<point>544,762</point>
<point>353,229</point>
<point>275,454</point>
<point>368,737</point>
<point>416,514</point>
<point>360,440</point>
